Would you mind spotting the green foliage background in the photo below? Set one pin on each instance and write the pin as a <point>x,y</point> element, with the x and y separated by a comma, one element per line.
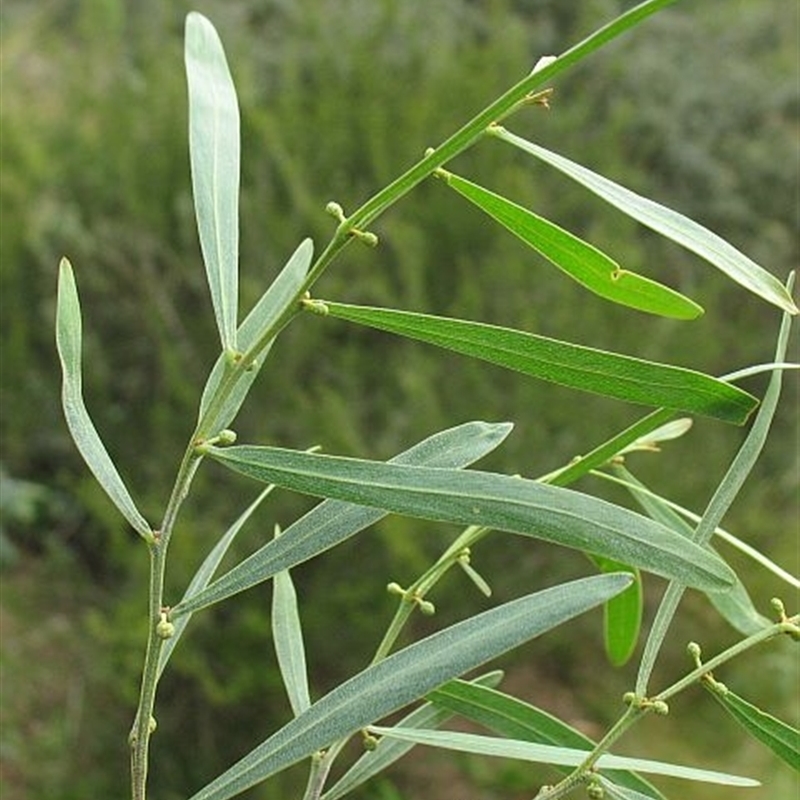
<point>697,109</point>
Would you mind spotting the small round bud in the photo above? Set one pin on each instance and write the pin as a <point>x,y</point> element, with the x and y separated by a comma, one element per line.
<point>314,306</point>
<point>335,210</point>
<point>233,357</point>
<point>595,791</point>
<point>165,629</point>
<point>366,237</point>
<point>660,708</point>
<point>226,436</point>
<point>395,588</point>
<point>779,607</point>
<point>426,607</point>
<point>152,725</point>
<point>629,698</point>
<point>369,741</point>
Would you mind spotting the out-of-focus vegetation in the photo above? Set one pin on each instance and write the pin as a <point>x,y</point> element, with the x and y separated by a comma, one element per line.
<point>337,98</point>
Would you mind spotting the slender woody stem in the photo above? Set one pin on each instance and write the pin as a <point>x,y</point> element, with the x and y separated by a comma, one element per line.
<point>462,139</point>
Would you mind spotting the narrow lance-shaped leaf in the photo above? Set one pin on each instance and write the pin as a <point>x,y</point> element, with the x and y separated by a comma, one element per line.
<point>782,739</point>
<point>582,261</point>
<point>84,434</point>
<point>262,318</point>
<point>578,367</point>
<point>205,573</point>
<point>668,223</point>
<point>511,717</point>
<point>287,637</point>
<point>333,521</point>
<point>471,497</point>
<point>214,153</point>
<point>411,673</point>
<point>548,754</point>
<point>372,762</point>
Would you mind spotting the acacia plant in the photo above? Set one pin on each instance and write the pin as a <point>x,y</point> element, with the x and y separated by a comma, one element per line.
<point>430,479</point>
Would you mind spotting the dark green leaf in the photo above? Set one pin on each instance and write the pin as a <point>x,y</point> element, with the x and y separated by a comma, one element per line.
<point>578,367</point>
<point>410,674</point>
<point>782,739</point>
<point>583,262</point>
<point>622,615</point>
<point>669,223</point>
<point>495,501</point>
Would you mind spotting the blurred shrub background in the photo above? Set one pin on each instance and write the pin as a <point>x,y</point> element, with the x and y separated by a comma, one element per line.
<point>696,108</point>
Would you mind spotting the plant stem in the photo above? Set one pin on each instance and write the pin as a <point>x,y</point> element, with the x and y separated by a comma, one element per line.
<point>143,726</point>
<point>636,711</point>
<point>462,139</point>
<point>785,626</point>
<point>632,714</point>
<point>142,730</point>
<point>468,537</point>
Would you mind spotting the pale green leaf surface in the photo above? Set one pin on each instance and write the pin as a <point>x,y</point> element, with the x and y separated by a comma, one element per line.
<point>68,342</point>
<point>549,754</point>
<point>287,638</point>
<point>668,223</point>
<point>214,153</point>
<point>262,318</point>
<point>515,719</point>
<point>372,762</point>
<point>411,673</point>
<point>205,573</point>
<point>578,367</point>
<point>333,521</point>
<point>582,261</point>
<point>737,608</point>
<point>782,739</point>
<point>471,497</point>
